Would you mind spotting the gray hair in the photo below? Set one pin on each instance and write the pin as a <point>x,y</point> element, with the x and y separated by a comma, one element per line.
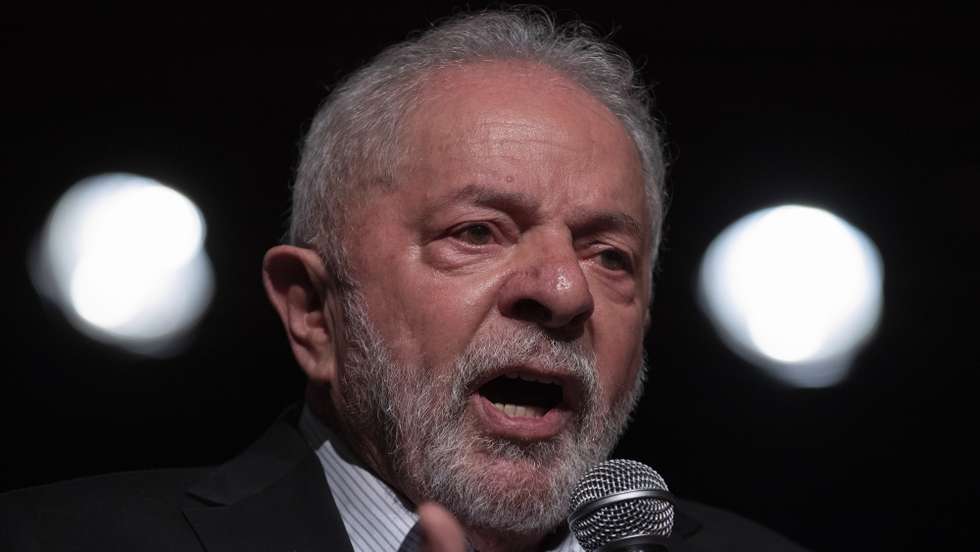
<point>353,140</point>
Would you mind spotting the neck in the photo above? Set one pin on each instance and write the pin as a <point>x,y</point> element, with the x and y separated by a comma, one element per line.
<point>495,541</point>
<point>358,443</point>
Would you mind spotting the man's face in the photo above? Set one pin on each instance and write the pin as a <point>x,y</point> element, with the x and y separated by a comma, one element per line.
<point>502,293</point>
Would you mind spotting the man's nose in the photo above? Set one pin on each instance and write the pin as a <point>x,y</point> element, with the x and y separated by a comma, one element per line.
<point>550,291</point>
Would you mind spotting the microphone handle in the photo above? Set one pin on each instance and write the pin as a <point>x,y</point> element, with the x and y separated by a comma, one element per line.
<point>636,543</point>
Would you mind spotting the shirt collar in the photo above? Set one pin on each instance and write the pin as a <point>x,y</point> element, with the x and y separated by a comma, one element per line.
<point>373,514</point>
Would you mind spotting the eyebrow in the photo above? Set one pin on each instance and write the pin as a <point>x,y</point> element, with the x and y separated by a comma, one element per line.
<point>588,222</point>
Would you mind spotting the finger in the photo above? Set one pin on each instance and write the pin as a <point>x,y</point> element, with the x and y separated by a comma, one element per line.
<point>440,530</point>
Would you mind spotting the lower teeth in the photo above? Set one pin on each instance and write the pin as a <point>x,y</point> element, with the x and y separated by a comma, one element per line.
<point>520,411</point>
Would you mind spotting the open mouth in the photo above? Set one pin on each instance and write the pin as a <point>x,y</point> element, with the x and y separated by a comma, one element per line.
<point>522,396</point>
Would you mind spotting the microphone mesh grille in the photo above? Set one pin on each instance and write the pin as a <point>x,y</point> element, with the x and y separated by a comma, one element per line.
<point>641,516</point>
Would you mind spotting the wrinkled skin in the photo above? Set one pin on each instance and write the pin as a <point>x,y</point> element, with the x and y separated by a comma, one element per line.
<point>519,200</point>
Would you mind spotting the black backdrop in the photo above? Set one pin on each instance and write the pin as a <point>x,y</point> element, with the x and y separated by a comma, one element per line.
<point>872,113</point>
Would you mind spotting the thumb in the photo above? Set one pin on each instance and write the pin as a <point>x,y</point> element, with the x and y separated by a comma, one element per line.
<point>440,529</point>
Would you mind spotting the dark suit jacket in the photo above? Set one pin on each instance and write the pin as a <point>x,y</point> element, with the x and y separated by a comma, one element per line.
<point>271,497</point>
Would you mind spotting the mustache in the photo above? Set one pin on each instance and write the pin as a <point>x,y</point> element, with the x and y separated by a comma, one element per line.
<point>491,352</point>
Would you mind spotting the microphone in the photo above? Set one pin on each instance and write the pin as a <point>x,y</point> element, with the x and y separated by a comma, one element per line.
<point>621,506</point>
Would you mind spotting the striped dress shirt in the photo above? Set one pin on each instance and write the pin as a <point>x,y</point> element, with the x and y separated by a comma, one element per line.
<point>376,518</point>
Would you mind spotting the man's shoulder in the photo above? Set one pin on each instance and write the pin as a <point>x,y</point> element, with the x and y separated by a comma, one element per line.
<point>716,529</point>
<point>153,486</point>
<point>139,509</point>
<point>271,496</point>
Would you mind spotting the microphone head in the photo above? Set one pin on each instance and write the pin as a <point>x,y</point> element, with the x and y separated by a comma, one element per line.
<point>617,499</point>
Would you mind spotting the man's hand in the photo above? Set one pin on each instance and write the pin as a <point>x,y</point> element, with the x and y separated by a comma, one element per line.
<point>440,529</point>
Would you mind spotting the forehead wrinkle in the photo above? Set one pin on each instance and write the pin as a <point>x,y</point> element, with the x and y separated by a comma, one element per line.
<point>512,141</point>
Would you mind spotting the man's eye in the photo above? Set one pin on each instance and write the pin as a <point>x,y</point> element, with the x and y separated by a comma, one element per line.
<point>614,259</point>
<point>474,234</point>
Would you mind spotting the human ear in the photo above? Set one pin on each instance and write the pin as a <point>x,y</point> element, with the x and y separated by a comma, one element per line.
<point>300,290</point>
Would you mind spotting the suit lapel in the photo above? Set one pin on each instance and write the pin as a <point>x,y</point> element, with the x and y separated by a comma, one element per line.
<point>271,497</point>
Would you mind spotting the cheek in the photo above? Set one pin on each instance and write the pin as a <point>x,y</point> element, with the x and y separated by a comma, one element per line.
<point>620,351</point>
<point>433,317</point>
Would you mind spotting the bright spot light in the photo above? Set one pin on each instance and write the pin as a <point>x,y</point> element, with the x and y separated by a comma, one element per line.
<point>123,256</point>
<point>795,290</point>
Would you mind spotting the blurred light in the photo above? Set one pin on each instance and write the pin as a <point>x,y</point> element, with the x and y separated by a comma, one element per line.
<point>795,290</point>
<point>123,256</point>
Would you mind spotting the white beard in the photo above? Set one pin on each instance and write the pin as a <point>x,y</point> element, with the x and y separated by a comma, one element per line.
<point>416,416</point>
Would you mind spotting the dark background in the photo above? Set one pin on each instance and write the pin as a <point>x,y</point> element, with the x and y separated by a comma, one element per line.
<point>872,113</point>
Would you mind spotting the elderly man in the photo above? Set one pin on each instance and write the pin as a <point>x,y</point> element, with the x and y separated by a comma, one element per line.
<point>475,221</point>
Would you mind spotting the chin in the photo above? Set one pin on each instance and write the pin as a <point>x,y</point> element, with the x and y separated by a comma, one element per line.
<point>520,474</point>
<point>519,489</point>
